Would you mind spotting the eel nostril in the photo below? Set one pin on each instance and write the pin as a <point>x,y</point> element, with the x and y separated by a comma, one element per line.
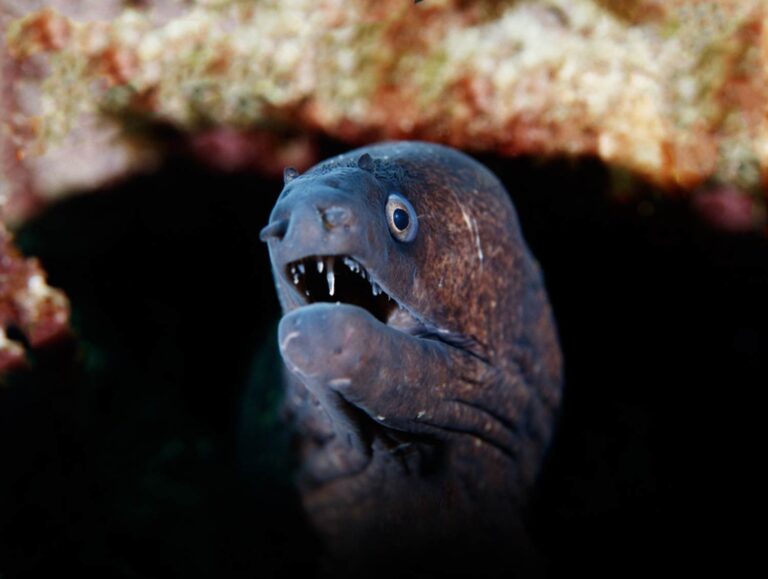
<point>276,229</point>
<point>336,216</point>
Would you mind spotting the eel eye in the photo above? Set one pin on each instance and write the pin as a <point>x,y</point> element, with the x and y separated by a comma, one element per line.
<point>401,218</point>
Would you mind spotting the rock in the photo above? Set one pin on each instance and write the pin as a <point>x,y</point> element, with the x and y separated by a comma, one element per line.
<point>28,306</point>
<point>673,92</point>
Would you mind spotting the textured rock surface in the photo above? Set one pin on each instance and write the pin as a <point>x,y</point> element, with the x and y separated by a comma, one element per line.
<point>671,91</point>
<point>27,304</point>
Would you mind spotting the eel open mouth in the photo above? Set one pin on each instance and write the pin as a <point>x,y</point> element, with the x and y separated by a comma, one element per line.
<point>342,279</point>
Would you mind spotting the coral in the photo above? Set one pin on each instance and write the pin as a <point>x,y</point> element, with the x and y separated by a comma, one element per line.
<point>673,91</point>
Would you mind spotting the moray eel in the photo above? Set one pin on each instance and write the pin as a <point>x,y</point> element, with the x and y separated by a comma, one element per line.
<point>422,363</point>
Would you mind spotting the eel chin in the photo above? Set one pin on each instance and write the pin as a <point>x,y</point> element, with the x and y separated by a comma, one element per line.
<point>341,279</point>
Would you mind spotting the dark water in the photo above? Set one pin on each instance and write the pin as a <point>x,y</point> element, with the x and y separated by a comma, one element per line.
<point>155,451</point>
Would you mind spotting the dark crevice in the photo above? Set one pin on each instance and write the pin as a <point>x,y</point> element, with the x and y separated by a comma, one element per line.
<point>124,462</point>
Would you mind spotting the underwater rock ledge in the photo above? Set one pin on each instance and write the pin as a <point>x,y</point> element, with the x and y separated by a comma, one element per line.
<point>36,312</point>
<point>673,92</point>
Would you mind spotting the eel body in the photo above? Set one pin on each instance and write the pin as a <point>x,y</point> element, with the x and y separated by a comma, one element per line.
<point>422,363</point>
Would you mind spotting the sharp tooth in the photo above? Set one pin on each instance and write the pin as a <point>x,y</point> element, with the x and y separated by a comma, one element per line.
<point>306,293</point>
<point>293,269</point>
<point>320,265</point>
<point>301,268</point>
<point>295,279</point>
<point>329,275</point>
<point>375,288</point>
<point>352,264</point>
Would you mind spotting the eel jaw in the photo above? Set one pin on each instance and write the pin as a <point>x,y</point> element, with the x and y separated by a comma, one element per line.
<point>343,279</point>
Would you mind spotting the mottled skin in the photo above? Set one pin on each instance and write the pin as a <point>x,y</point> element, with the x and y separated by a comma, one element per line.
<point>405,438</point>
